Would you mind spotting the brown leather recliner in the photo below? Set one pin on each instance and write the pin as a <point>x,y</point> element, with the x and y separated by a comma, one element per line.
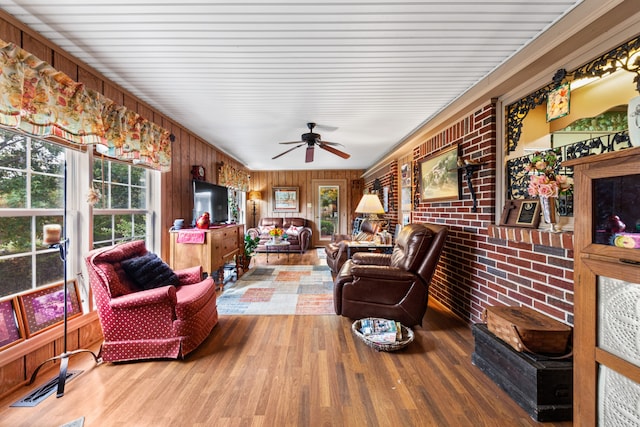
<point>337,249</point>
<point>394,286</point>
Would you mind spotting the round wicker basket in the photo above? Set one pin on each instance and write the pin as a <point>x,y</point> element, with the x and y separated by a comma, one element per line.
<point>407,337</point>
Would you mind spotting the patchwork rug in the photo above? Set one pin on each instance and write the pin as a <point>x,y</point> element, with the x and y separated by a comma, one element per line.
<point>282,289</point>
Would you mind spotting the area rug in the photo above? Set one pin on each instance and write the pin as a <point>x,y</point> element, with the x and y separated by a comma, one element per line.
<point>283,289</point>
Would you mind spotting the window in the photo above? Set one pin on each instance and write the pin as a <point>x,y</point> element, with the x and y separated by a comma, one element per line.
<point>31,195</point>
<point>121,213</point>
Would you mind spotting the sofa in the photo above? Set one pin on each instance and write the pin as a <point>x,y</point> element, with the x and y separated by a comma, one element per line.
<point>146,310</point>
<point>297,229</point>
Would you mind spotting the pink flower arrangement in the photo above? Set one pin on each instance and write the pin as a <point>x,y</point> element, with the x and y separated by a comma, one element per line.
<point>544,182</point>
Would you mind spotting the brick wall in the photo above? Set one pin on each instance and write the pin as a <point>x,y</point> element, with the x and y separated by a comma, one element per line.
<point>483,264</point>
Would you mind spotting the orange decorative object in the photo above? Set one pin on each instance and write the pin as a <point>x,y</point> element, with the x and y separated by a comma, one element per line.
<point>204,221</point>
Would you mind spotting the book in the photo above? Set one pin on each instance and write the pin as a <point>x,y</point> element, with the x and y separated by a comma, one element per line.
<point>379,330</point>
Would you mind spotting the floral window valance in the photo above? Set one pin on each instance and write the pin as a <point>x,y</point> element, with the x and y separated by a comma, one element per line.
<point>39,100</point>
<point>233,178</point>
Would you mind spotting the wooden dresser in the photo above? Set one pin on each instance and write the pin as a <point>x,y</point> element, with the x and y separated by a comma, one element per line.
<point>607,289</point>
<point>221,245</point>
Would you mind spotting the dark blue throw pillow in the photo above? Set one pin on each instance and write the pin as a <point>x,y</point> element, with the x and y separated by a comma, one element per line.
<point>149,271</point>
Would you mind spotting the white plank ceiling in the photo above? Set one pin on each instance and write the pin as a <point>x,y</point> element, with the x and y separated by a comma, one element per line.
<point>246,75</point>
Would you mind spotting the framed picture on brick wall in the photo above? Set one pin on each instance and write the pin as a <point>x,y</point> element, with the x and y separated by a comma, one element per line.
<point>440,176</point>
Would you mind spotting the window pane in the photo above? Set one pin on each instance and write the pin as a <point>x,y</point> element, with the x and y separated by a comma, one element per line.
<point>328,205</point>
<point>13,189</point>
<point>46,157</point>
<point>139,176</point>
<point>122,226</point>
<point>13,150</point>
<point>15,274</point>
<point>49,268</point>
<point>119,173</point>
<point>140,226</point>
<point>119,197</point>
<point>47,192</point>
<point>138,198</point>
<point>102,228</point>
<point>15,235</point>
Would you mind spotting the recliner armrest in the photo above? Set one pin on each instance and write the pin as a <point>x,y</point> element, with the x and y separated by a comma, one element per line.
<point>163,295</point>
<point>371,258</point>
<point>379,272</point>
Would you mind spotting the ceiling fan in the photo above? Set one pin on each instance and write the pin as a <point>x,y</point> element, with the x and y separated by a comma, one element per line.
<point>312,139</point>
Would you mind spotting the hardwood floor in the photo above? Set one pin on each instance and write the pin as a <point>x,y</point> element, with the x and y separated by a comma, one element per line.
<point>287,371</point>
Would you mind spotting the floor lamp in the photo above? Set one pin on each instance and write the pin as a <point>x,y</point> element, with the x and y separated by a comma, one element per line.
<point>52,237</point>
<point>253,196</point>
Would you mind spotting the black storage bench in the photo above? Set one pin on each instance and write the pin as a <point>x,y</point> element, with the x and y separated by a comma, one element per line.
<point>543,387</point>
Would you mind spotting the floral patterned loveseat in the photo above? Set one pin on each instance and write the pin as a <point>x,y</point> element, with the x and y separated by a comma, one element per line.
<point>297,230</point>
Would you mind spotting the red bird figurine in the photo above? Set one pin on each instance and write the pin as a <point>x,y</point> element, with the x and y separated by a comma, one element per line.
<point>203,222</point>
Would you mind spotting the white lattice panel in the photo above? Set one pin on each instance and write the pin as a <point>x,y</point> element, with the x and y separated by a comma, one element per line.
<point>619,318</point>
<point>618,400</point>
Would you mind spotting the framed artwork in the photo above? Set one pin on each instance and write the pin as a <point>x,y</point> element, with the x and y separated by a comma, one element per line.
<point>11,328</point>
<point>405,174</point>
<point>521,213</point>
<point>558,102</point>
<point>385,199</point>
<point>43,308</point>
<point>285,199</point>
<point>405,193</point>
<point>440,177</point>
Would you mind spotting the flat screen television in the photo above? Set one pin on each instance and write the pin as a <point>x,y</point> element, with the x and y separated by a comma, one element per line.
<point>210,198</point>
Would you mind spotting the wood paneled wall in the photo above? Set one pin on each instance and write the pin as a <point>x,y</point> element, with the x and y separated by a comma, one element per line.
<point>264,181</point>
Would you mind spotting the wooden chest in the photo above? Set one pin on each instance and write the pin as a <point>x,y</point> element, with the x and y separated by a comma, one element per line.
<point>543,388</point>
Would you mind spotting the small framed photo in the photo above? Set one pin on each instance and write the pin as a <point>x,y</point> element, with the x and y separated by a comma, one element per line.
<point>521,213</point>
<point>11,328</point>
<point>43,308</point>
<point>558,102</point>
<point>285,199</point>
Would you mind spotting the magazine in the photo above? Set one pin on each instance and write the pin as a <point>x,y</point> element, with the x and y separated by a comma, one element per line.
<point>380,330</point>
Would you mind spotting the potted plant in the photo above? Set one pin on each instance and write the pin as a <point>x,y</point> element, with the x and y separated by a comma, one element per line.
<point>250,245</point>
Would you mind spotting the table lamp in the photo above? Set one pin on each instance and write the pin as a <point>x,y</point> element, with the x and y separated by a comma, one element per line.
<point>370,204</point>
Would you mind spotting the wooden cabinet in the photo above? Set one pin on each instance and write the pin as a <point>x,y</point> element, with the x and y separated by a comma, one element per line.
<point>221,245</point>
<point>607,290</point>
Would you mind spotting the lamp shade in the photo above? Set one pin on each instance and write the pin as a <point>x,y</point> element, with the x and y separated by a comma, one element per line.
<point>370,204</point>
<point>255,195</point>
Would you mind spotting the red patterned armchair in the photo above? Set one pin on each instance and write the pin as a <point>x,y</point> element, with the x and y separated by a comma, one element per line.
<point>146,310</point>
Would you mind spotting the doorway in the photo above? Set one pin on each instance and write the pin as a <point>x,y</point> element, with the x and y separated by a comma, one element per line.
<point>330,213</point>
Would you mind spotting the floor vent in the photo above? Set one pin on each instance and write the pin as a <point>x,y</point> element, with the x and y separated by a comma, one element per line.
<point>44,391</point>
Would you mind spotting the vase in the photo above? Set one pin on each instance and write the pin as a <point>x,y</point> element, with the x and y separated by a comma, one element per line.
<point>548,207</point>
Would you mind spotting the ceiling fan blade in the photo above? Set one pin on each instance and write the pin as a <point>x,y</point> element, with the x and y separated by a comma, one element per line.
<point>326,127</point>
<point>330,143</point>
<point>309,157</point>
<point>334,151</point>
<point>291,142</point>
<point>290,149</point>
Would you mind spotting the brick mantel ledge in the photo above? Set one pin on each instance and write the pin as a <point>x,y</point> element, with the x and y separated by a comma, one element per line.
<point>534,236</point>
